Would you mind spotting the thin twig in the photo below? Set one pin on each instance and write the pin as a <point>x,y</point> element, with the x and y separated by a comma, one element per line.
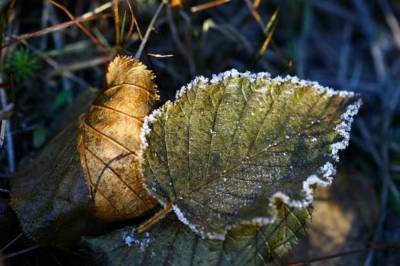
<point>149,29</point>
<point>92,15</point>
<point>79,24</point>
<point>134,23</point>
<point>11,242</point>
<point>337,255</point>
<point>370,246</point>
<point>155,218</point>
<point>20,252</point>
<point>79,65</point>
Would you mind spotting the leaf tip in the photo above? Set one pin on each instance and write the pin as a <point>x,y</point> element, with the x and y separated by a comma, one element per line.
<point>128,70</point>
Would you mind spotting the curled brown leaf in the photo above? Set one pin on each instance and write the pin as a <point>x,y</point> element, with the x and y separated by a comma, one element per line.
<point>109,141</point>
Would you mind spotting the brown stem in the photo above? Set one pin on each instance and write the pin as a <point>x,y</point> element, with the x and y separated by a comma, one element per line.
<point>155,218</point>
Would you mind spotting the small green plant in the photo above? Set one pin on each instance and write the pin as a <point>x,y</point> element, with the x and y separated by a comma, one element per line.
<point>22,64</point>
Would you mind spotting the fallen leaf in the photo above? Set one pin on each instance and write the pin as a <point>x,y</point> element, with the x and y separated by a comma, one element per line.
<point>172,243</point>
<point>230,145</point>
<point>109,141</point>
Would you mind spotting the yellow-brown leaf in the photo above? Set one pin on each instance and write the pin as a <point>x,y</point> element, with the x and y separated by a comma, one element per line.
<point>109,141</point>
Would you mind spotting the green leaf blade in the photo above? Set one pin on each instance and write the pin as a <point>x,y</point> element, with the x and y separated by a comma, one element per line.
<point>234,144</point>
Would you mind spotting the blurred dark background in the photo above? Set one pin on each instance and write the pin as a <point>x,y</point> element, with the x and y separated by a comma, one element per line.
<point>49,69</point>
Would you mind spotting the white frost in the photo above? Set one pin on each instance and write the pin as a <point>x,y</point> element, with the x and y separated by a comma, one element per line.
<point>198,80</point>
<point>196,228</point>
<point>146,125</point>
<point>233,73</point>
<point>130,239</point>
<point>344,129</point>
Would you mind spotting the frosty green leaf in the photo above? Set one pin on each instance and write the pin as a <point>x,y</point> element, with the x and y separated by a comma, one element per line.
<point>233,144</point>
<point>172,243</point>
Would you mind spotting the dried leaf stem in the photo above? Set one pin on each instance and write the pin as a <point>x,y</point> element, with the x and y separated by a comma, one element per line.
<point>155,219</point>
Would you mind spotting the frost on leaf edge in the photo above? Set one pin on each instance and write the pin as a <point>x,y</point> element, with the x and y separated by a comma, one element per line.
<point>327,171</point>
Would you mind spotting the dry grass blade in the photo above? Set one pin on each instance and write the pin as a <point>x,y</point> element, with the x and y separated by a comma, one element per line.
<point>148,31</point>
<point>76,66</point>
<point>133,24</point>
<point>254,12</point>
<point>272,21</point>
<point>256,3</point>
<point>117,25</point>
<point>208,5</point>
<point>97,10</point>
<point>391,20</point>
<point>267,41</point>
<point>160,55</point>
<point>269,30</point>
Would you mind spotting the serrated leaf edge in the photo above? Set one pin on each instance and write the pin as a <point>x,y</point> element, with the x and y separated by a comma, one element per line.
<point>327,171</point>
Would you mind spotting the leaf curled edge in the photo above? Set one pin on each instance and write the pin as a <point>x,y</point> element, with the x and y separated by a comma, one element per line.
<point>185,147</point>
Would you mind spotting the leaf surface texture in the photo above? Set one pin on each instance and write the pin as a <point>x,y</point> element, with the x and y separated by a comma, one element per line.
<point>231,145</point>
